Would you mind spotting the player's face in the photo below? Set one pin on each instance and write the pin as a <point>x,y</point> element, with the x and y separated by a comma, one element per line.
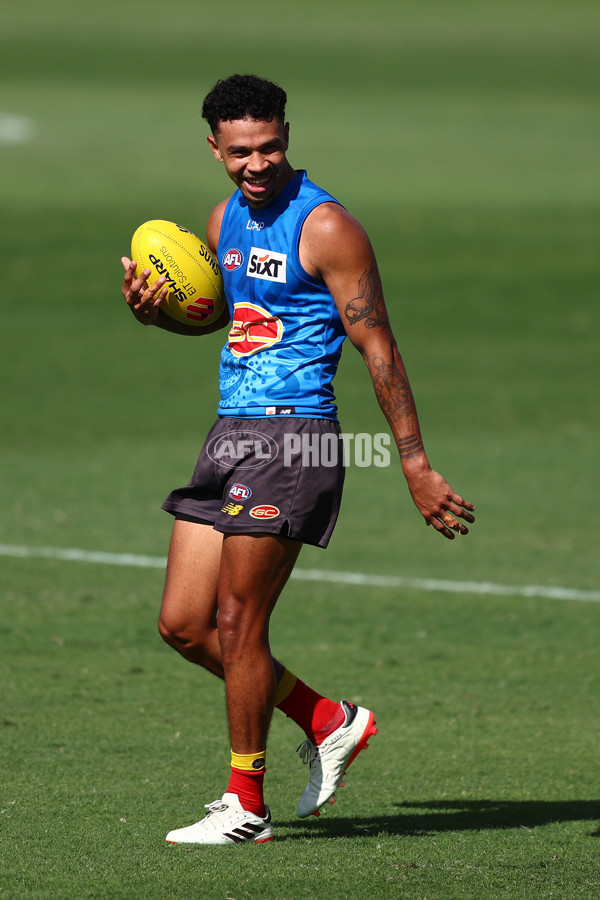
<point>253,152</point>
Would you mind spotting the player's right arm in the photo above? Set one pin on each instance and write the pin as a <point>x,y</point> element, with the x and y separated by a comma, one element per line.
<point>144,300</point>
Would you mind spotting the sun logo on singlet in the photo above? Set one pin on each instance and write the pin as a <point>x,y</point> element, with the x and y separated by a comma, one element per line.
<point>253,328</point>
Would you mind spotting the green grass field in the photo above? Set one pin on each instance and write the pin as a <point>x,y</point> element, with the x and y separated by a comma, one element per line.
<point>465,137</point>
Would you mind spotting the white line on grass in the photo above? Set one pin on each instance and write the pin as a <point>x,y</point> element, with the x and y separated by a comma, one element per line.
<point>72,554</point>
<point>16,129</point>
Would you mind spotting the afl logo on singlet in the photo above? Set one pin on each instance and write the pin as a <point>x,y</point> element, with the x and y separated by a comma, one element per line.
<point>233,259</point>
<point>253,329</point>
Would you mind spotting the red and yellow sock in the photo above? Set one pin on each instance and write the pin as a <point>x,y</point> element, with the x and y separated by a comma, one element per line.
<point>317,716</point>
<point>247,778</point>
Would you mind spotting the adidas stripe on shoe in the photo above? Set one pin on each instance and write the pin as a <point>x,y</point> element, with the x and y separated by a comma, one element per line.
<point>227,822</point>
<point>331,758</point>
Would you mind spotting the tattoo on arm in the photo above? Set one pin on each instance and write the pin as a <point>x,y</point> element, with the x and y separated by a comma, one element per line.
<point>392,389</point>
<point>410,446</point>
<point>396,400</point>
<point>368,303</point>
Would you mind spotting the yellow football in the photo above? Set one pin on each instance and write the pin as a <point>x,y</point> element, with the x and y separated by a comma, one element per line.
<point>196,295</point>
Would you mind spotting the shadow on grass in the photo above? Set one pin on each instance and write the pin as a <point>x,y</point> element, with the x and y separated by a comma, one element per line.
<point>432,817</point>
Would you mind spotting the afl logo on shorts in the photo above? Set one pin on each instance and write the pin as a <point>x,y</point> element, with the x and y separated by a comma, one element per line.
<point>264,512</point>
<point>253,328</point>
<point>233,259</point>
<point>242,450</point>
<point>240,492</point>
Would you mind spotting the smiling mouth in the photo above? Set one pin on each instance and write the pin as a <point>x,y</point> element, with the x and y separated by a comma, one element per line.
<point>257,184</point>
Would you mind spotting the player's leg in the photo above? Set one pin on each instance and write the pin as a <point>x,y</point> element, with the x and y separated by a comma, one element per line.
<point>188,615</point>
<point>188,622</point>
<point>241,576</point>
<point>253,572</point>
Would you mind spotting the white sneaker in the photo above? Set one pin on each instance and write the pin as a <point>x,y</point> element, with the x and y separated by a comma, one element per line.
<point>227,822</point>
<point>329,760</point>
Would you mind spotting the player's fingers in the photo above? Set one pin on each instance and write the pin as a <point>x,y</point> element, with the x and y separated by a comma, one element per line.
<point>158,300</point>
<point>466,504</point>
<point>443,529</point>
<point>450,521</point>
<point>147,300</point>
<point>459,511</point>
<point>130,270</point>
<point>459,527</point>
<point>138,286</point>
<point>152,289</point>
<point>140,283</point>
<point>129,267</point>
<point>148,294</point>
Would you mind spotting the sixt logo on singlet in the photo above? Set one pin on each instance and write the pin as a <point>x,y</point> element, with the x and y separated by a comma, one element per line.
<point>267,264</point>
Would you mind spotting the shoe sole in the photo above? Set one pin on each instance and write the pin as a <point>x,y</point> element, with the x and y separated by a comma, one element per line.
<point>232,843</point>
<point>369,732</point>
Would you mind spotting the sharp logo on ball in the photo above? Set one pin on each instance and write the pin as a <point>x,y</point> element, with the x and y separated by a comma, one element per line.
<point>182,289</point>
<point>233,259</point>
<point>253,329</point>
<point>266,511</point>
<point>267,264</point>
<point>200,309</point>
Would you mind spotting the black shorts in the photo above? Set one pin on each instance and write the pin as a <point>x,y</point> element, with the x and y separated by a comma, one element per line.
<point>276,475</point>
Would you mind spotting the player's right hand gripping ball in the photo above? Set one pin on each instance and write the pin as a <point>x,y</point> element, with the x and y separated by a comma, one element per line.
<point>196,296</point>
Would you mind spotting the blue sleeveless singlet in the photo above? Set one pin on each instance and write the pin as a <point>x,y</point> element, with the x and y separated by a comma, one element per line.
<point>286,334</point>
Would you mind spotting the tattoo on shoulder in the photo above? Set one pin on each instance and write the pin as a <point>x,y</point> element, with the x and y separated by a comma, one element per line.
<point>368,303</point>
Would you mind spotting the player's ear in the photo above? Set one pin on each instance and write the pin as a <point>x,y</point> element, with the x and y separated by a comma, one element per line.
<point>214,147</point>
<point>286,135</point>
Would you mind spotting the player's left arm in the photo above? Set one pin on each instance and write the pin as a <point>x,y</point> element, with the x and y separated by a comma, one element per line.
<point>335,247</point>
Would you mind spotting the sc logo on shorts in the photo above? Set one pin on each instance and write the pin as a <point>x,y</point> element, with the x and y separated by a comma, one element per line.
<point>243,449</point>
<point>265,511</point>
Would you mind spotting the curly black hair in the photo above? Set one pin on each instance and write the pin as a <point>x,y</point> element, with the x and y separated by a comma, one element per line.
<point>240,96</point>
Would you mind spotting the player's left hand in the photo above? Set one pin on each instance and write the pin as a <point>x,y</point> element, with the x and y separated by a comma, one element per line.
<point>439,505</point>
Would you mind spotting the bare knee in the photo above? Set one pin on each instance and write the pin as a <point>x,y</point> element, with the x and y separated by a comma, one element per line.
<point>194,643</point>
<point>176,634</point>
<point>240,633</point>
